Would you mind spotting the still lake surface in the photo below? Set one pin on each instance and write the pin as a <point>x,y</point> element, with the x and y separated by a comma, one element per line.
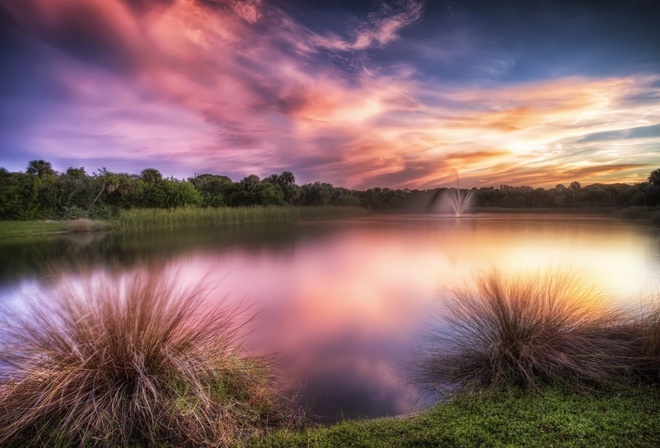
<point>344,303</point>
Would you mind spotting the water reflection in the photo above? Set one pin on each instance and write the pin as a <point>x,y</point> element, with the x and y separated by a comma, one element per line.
<point>343,302</point>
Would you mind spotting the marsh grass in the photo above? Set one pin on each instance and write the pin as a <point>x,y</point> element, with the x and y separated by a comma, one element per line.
<point>142,219</point>
<point>134,361</point>
<point>527,331</point>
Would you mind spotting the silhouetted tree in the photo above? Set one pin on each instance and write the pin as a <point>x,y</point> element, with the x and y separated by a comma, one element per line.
<point>40,168</point>
<point>654,178</point>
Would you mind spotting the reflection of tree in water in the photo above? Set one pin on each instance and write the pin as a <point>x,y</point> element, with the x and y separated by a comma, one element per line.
<point>38,256</point>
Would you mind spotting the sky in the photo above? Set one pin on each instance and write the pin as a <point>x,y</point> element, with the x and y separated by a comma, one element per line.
<point>360,94</point>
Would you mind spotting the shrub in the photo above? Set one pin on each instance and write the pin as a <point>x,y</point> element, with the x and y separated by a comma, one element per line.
<point>134,360</point>
<point>528,330</point>
<point>74,212</point>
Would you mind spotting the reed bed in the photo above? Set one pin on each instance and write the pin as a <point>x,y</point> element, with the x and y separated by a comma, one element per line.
<point>136,361</point>
<point>142,219</point>
<point>528,331</point>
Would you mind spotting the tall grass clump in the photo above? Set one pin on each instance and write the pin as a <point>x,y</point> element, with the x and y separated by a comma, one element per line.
<point>131,362</point>
<point>143,219</point>
<point>646,325</point>
<point>85,225</point>
<point>528,330</point>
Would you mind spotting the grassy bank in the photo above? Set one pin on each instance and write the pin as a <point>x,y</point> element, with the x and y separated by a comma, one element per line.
<point>12,229</point>
<point>143,219</point>
<point>625,418</point>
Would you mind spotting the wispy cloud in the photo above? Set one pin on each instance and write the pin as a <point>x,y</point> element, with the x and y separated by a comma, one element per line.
<point>379,29</point>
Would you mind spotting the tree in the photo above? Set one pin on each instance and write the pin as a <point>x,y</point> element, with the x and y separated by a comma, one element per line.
<point>108,182</point>
<point>292,193</point>
<point>250,183</point>
<point>654,178</point>
<point>75,193</point>
<point>40,168</point>
<point>179,193</point>
<point>213,188</point>
<point>287,178</point>
<point>286,184</point>
<point>151,175</point>
<point>252,191</point>
<point>574,187</point>
<point>24,204</point>
<point>652,196</point>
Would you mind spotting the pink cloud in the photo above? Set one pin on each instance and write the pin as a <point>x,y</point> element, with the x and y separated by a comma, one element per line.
<point>238,87</point>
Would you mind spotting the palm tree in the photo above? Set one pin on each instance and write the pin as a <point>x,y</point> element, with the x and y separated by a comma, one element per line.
<point>250,183</point>
<point>287,178</point>
<point>40,168</point>
<point>151,175</point>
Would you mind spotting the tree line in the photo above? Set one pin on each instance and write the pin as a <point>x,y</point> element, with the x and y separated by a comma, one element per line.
<point>40,192</point>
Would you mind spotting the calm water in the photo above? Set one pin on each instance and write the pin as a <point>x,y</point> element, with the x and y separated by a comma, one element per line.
<point>344,303</point>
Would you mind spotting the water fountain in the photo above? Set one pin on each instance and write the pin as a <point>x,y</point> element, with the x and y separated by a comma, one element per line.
<point>458,201</point>
<point>453,201</point>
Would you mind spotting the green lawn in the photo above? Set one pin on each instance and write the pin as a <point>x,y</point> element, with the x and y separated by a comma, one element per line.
<point>628,418</point>
<point>9,229</point>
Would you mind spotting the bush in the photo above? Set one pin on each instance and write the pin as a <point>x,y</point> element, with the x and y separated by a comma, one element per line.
<point>103,211</point>
<point>134,360</point>
<point>74,212</point>
<point>528,330</point>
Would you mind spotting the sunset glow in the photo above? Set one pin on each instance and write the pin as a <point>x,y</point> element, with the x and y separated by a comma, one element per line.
<point>397,93</point>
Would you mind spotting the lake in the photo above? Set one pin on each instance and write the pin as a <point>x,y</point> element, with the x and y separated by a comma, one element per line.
<point>344,303</point>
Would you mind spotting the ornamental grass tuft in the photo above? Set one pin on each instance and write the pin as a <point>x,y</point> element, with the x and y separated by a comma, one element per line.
<point>646,323</point>
<point>133,360</point>
<point>528,330</point>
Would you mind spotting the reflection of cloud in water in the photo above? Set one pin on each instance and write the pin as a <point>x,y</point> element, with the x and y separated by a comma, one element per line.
<point>350,391</point>
<point>350,374</point>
